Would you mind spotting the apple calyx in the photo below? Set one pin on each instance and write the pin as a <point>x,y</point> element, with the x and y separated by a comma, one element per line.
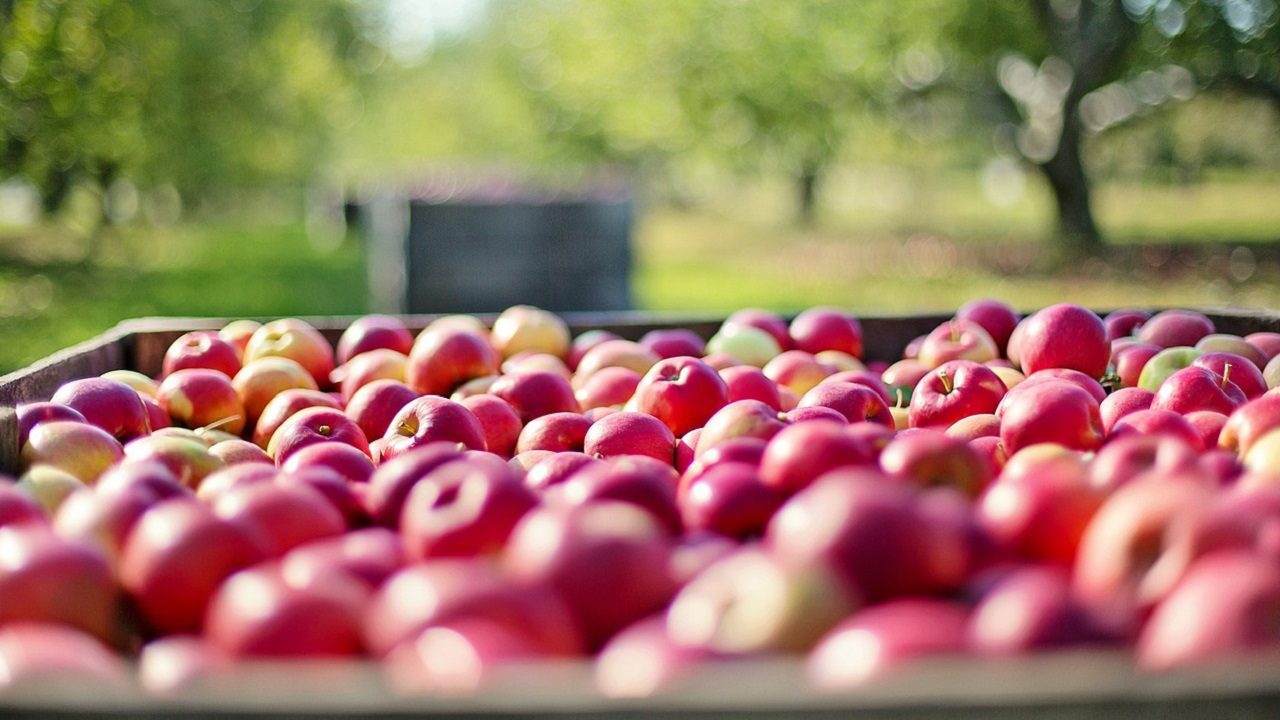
<point>325,430</point>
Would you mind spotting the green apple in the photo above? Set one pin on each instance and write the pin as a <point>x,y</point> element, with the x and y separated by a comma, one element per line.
<point>49,486</point>
<point>749,345</point>
<point>1165,363</point>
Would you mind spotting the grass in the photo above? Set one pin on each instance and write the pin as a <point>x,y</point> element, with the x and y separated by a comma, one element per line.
<point>883,244</point>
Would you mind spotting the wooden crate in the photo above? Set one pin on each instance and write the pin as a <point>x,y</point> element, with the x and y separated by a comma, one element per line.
<point>1101,684</point>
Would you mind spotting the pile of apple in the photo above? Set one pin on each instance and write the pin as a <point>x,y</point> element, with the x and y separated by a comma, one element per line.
<point>454,504</point>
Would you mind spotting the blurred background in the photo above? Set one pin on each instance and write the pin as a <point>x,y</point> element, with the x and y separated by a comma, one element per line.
<point>230,158</point>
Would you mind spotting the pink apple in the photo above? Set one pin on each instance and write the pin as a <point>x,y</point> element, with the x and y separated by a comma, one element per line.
<point>675,342</point>
<point>934,458</point>
<point>556,432</point>
<point>584,342</point>
<point>1031,608</point>
<point>682,392</point>
<point>957,340</point>
<point>1244,374</point>
<point>285,405</point>
<point>799,454</point>
<point>45,656</point>
<point>1123,402</point>
<point>346,460</point>
<point>643,660</point>
<point>534,394</point>
<point>955,390</point>
<point>856,402</point>
<point>797,370</point>
<point>1196,388</point>
<point>463,508</point>
<point>202,349</point>
<point>615,353</point>
<point>728,499</point>
<point>641,481</point>
<point>30,414</point>
<point>996,317</point>
<point>825,328</point>
<point>556,468</point>
<point>608,387</point>
<point>498,420</point>
<point>442,360</point>
<point>431,419</point>
<point>373,332</point>
<point>315,425</point>
<point>280,516</point>
<point>744,418</point>
<point>47,579</point>
<point>1236,345</point>
<point>881,639</point>
<point>904,374</point>
<point>1064,336</point>
<point>1128,456</point>
<point>294,339</point>
<point>630,433</point>
<point>375,405</point>
<point>1050,412</point>
<point>1124,323</point>
<point>174,665</point>
<point>17,508</point>
<point>1267,342</point>
<point>749,383</point>
<point>380,364</point>
<point>108,404</point>
<point>1164,423</point>
<point>391,482</point>
<point>1173,328</point>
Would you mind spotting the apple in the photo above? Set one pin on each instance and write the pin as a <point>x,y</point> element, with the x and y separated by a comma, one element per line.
<point>1263,456</point>
<point>1164,364</point>
<point>1054,411</point>
<point>347,461</point>
<point>1123,402</point>
<point>238,332</point>
<point>1124,323</point>
<point>478,386</point>
<point>296,340</point>
<point>1030,608</point>
<point>751,602</point>
<point>1234,344</point>
<point>103,520</point>
<point>826,328</point>
<point>202,349</point>
<point>1173,328</point>
<point>744,418</point>
<point>48,486</point>
<point>375,405</point>
<point>866,378</point>
<point>878,640</point>
<point>380,364</point>
<point>957,340</point>
<point>49,656</point>
<point>1244,374</point>
<point>142,384</point>
<point>534,394</point>
<point>258,613</point>
<point>222,481</point>
<point>1129,456</point>
<point>315,425</point>
<point>458,658</point>
<point>643,660</point>
<point>675,342</point>
<point>280,517</point>
<point>1271,373</point>
<point>108,404</point>
<point>630,433</point>
<point>1197,388</point>
<point>373,332</point>
<point>368,555</point>
<point>198,397</point>
<point>523,327</point>
<point>728,499</point>
<point>856,402</point>
<point>802,452</point>
<point>79,449</point>
<point>682,392</point>
<point>952,391</point>
<point>608,387</point>
<point>1208,425</point>
<point>904,375</point>
<point>17,507</point>
<point>607,560</point>
<point>556,468</point>
<point>996,317</point>
<point>1040,504</point>
<point>429,419</point>
<point>259,381</point>
<point>391,482</point>
<point>30,414</point>
<point>746,450</point>
<point>934,458</point>
<point>641,481</point>
<point>1250,422</point>
<point>175,665</point>
<point>1158,422</point>
<point>797,370</point>
<point>1064,336</point>
<point>47,579</point>
<point>441,361</point>
<point>1267,342</point>
<point>498,420</point>
<point>462,509</point>
<point>746,344</point>
<point>156,481</point>
<point>1131,360</point>
<point>232,452</point>
<point>974,427</point>
<point>556,432</point>
<point>769,322</point>
<point>584,342</point>
<point>615,353</point>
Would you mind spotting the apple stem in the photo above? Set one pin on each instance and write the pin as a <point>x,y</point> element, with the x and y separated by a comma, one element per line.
<point>946,380</point>
<point>955,336</point>
<point>1226,374</point>
<point>901,397</point>
<point>219,423</point>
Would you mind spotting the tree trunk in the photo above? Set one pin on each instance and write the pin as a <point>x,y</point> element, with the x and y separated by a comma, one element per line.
<point>807,199</point>
<point>1077,231</point>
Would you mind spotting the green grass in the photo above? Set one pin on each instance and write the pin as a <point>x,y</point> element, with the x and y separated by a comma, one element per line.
<point>882,245</point>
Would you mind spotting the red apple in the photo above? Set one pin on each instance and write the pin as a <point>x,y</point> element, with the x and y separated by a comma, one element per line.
<point>534,394</point>
<point>957,340</point>
<point>346,460</point>
<point>222,481</point>
<point>729,499</point>
<point>856,402</point>
<point>643,660</point>
<point>1267,342</point>
<point>675,342</point>
<point>369,555</point>
<point>30,414</point>
<point>1196,388</point>
<point>952,391</point>
<point>1173,328</point>
<point>198,397</point>
<point>1124,323</point>
<point>796,369</point>
<point>1053,412</point>
<point>749,383</point>
<point>641,481</point>
<point>373,332</point>
<point>381,364</point>
<point>445,359</point>
<point>630,433</point>
<point>1065,336</point>
<point>202,349</point>
<point>1158,422</point>
<point>46,579</point>
<point>608,387</point>
<point>17,508</point>
<point>584,342</point>
<point>825,328</point>
<point>280,517</point>
<point>881,639</point>
<point>802,452</point>
<point>933,458</point>
<point>1131,455</point>
<point>315,425</point>
<point>744,418</point>
<point>374,406</point>
<point>996,317</point>
<point>296,340</point>
<point>48,656</point>
<point>682,392</point>
<point>769,322</point>
<point>1031,608</point>
<point>498,420</point>
<point>1208,425</point>
<point>1235,368</point>
<point>1130,360</point>
<point>430,419</point>
<point>261,380</point>
<point>1250,422</point>
<point>108,404</point>
<point>345,496</point>
<point>1121,403</point>
<point>556,468</point>
<point>284,406</point>
<point>615,353</point>
<point>391,482</point>
<point>1235,345</point>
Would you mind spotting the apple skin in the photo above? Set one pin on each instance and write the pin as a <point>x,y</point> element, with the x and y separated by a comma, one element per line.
<point>1129,456</point>
<point>905,375</point>
<point>1173,328</point>
<point>380,364</point>
<point>534,394</point>
<point>259,381</point>
<point>82,450</point>
<point>608,387</point>
<point>682,392</point>
<point>1124,323</point>
<point>346,460</point>
<point>375,405</point>
<point>744,344</point>
<point>1158,422</point>
<point>1250,422</point>
<point>442,360</point>
<point>826,328</point>
<point>498,420</point>
<point>748,450</point>
<point>744,418</point>
<point>103,520</point>
<point>1130,361</point>
<point>373,332</point>
<point>315,425</point>
<point>48,579</point>
<point>1053,412</point>
<point>975,426</point>
<point>1164,364</point>
<point>957,340</point>
<point>865,378</point>
<point>1030,608</point>
<point>178,664</point>
<point>108,404</point>
<point>143,384</point>
<point>642,660</point>
<point>31,414</point>
<point>877,640</point>
<point>1244,374</point>
<point>749,383</point>
<point>1196,388</point>
<point>294,339</point>
<point>202,349</point>
<point>640,481</point>
<point>858,403</point>
<point>368,555</point>
<point>769,322</point>
<point>198,397</point>
<point>584,342</point>
<point>1123,402</point>
<point>258,613</point>
<point>430,419</point>
<point>1225,607</point>
<point>728,499</point>
<point>222,481</point>
<point>280,517</point>
<point>672,343</point>
<point>391,483</point>
<point>284,406</point>
<point>870,529</point>
<point>51,655</point>
<point>524,327</point>
<point>464,508</point>
<point>797,370</point>
<point>630,433</point>
<point>557,468</point>
<point>1065,336</point>
<point>996,317</point>
<point>1236,345</point>
<point>1079,379</point>
<point>238,332</point>
<point>952,391</point>
<point>933,458</point>
<point>607,560</point>
<point>802,452</point>
<point>17,508</point>
<point>175,558</point>
<point>556,432</point>
<point>1040,504</point>
<point>1266,342</point>
<point>615,353</point>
